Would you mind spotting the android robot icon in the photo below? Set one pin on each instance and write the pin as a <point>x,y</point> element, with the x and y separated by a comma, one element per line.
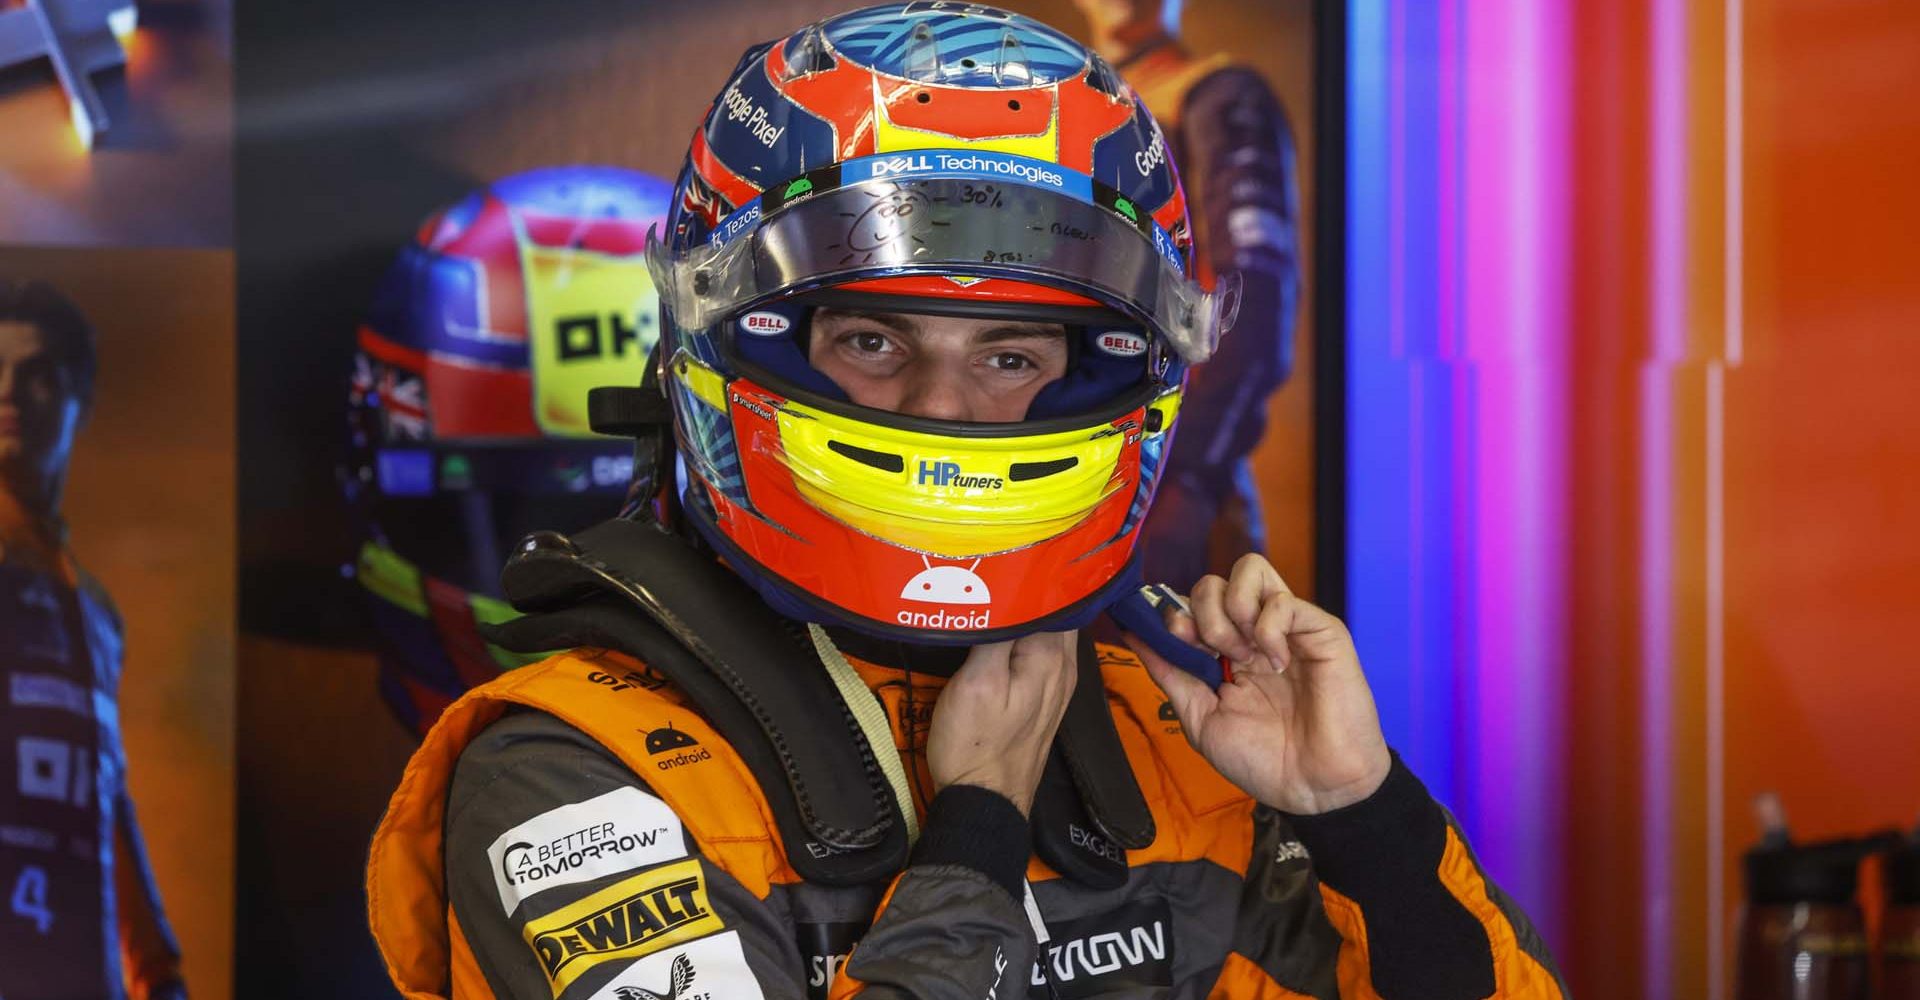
<point>668,738</point>
<point>946,585</point>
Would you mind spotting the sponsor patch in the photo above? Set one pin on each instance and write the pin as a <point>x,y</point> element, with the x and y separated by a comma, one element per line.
<point>1122,343</point>
<point>1153,157</point>
<point>972,621</point>
<point>947,585</point>
<point>29,837</point>
<point>1104,954</point>
<point>675,748</point>
<point>594,319</point>
<point>1092,842</point>
<point>711,968</point>
<point>951,475</point>
<point>645,678</point>
<point>605,835</point>
<point>49,691</point>
<point>763,323</point>
<point>633,917</point>
<point>1037,173</point>
<point>825,946</point>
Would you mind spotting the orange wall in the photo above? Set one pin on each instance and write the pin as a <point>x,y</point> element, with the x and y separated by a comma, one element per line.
<point>1823,423</point>
<point>1792,421</point>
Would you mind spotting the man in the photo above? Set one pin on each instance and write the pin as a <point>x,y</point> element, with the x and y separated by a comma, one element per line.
<point>1230,135</point>
<point>929,306</point>
<point>83,915</point>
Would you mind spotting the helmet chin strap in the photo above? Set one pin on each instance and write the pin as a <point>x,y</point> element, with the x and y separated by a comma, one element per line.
<point>872,719</point>
<point>1140,612</point>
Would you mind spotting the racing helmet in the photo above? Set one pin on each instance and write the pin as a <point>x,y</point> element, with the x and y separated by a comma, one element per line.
<point>467,407</point>
<point>940,159</point>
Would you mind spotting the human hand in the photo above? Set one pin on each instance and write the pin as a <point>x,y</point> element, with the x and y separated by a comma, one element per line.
<point>1296,728</point>
<point>994,722</point>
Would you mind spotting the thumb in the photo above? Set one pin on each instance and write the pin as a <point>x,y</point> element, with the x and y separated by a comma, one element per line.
<point>1192,700</point>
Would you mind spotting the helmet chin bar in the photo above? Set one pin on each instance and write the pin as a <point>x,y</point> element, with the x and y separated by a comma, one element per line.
<point>854,512</point>
<point>802,605</point>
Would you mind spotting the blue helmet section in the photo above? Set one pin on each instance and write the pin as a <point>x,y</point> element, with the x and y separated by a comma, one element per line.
<point>895,39</point>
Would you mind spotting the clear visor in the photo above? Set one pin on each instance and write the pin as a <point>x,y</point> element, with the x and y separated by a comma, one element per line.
<point>947,226</point>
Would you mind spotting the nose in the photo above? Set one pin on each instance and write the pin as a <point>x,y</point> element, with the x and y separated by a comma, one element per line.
<point>936,392</point>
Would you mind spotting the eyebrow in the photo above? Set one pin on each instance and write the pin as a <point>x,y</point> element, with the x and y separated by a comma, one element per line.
<point>1027,331</point>
<point>903,323</point>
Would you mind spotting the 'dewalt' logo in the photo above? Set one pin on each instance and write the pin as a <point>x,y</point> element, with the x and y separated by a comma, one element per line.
<point>682,746</point>
<point>633,917</point>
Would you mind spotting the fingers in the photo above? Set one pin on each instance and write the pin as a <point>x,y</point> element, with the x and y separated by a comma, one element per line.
<point>998,714</point>
<point>1042,669</point>
<point>1217,629</point>
<point>1252,580</point>
<point>1254,619</point>
<point>1270,629</point>
<point>1180,622</point>
<point>1190,697</point>
<point>986,658</point>
<point>1043,653</point>
<point>1314,634</point>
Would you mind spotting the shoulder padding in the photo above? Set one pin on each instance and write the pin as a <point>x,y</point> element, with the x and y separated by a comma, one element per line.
<point>631,586</point>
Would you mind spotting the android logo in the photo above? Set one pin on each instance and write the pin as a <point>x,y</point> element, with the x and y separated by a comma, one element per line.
<point>946,585</point>
<point>660,741</point>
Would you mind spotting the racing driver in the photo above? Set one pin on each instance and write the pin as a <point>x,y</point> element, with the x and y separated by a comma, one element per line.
<point>831,721</point>
<point>80,913</point>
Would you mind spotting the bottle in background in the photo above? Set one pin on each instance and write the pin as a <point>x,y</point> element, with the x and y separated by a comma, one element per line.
<point>1900,927</point>
<point>1802,935</point>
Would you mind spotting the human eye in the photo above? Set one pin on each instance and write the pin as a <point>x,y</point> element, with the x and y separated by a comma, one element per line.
<point>1011,362</point>
<point>868,345</point>
<point>40,372</point>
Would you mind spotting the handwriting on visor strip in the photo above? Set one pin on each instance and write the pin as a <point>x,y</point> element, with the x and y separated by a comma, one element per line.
<point>955,165</point>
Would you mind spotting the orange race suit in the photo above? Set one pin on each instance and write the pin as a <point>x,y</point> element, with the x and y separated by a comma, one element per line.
<point>576,829</point>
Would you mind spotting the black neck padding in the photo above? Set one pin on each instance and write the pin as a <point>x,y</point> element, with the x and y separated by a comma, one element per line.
<point>629,585</point>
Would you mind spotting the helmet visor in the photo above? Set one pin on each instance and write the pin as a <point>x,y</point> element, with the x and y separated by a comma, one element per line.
<point>944,214</point>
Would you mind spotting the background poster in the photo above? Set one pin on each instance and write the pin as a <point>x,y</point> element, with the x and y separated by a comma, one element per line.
<point>149,510</point>
<point>159,171</point>
<point>357,119</point>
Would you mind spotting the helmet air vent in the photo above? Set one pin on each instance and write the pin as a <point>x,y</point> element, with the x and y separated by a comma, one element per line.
<point>1023,471</point>
<point>922,62</point>
<point>884,461</point>
<point>807,54</point>
<point>1011,62</point>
